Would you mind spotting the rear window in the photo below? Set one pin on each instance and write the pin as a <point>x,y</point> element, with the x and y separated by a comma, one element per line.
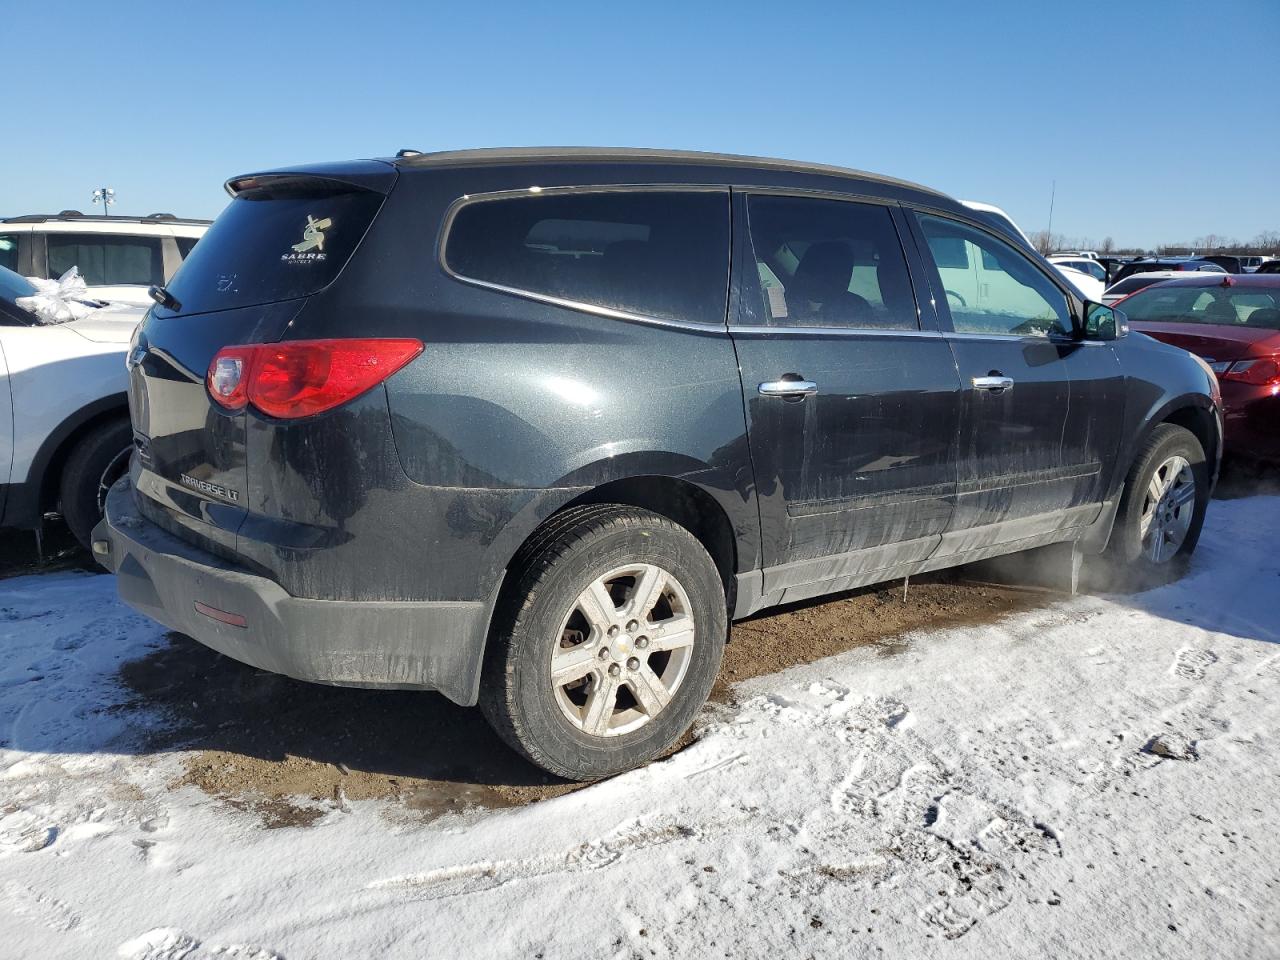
<point>662,254</point>
<point>273,245</point>
<point>1129,285</point>
<point>105,260</point>
<point>1224,306</point>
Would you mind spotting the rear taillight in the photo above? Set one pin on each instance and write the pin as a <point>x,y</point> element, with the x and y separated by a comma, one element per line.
<point>1260,372</point>
<point>299,378</point>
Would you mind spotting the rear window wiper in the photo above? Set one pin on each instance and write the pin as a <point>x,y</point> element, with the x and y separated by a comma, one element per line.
<point>163,297</point>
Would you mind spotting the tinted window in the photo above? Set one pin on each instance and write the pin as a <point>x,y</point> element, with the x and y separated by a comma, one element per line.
<point>106,260</point>
<point>185,244</point>
<point>273,244</point>
<point>1130,284</point>
<point>8,251</point>
<point>1000,291</point>
<point>829,263</point>
<point>655,254</point>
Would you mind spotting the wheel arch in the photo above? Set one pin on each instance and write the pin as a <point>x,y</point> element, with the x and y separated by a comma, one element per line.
<point>681,502</point>
<point>39,493</point>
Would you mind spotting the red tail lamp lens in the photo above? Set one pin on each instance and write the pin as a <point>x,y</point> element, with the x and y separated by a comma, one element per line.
<point>300,378</point>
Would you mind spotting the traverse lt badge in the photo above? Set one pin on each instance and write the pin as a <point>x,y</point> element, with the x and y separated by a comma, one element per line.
<point>214,489</point>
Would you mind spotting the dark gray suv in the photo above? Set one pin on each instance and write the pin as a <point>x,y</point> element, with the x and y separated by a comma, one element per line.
<point>531,427</point>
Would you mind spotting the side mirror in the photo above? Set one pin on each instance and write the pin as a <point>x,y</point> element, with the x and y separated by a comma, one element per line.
<point>1103,323</point>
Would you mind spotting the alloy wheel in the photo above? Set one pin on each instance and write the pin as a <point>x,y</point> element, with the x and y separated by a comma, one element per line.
<point>1167,509</point>
<point>623,650</point>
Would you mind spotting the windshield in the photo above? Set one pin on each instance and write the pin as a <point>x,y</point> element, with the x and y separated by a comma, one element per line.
<point>1224,306</point>
<point>1133,283</point>
<point>14,285</point>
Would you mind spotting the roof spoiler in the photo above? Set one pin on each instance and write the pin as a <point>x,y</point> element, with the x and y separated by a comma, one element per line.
<point>375,176</point>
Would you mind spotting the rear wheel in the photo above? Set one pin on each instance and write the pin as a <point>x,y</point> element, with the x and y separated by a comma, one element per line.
<point>609,643</point>
<point>96,462</point>
<point>1161,510</point>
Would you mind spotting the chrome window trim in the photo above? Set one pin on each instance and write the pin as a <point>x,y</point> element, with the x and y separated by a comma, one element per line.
<point>878,332</point>
<point>468,199</point>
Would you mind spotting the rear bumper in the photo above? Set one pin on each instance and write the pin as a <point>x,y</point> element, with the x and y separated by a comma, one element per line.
<point>414,645</point>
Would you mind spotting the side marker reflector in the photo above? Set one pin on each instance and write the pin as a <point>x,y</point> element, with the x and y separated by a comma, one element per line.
<point>213,613</point>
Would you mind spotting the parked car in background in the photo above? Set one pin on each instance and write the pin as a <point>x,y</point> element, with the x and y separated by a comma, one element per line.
<point>1234,325</point>
<point>1175,264</point>
<point>64,416</point>
<point>1085,283</point>
<point>1250,264</point>
<point>1087,265</point>
<point>1268,266</point>
<point>118,257</point>
<point>1130,285</point>
<point>1228,262</point>
<point>530,427</point>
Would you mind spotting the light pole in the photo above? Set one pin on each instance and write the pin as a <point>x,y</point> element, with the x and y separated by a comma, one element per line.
<point>105,196</point>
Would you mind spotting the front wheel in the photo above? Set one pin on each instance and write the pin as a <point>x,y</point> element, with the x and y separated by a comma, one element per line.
<point>608,643</point>
<point>1161,510</point>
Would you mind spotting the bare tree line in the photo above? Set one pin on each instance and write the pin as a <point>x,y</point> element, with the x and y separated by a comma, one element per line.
<point>1266,243</point>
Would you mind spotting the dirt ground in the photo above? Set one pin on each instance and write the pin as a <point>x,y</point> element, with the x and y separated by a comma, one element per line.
<point>270,744</point>
<point>290,750</point>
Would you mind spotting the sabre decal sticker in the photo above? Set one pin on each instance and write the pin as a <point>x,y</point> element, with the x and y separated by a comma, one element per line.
<point>311,248</point>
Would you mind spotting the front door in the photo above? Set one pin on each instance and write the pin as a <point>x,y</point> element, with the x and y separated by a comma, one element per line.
<point>852,403</point>
<point>1031,445</point>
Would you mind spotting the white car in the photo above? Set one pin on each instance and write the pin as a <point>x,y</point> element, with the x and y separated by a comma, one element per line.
<point>1083,264</point>
<point>118,257</point>
<point>1087,285</point>
<point>64,415</point>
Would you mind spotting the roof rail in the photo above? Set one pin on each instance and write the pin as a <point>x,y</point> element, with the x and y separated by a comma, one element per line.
<point>103,218</point>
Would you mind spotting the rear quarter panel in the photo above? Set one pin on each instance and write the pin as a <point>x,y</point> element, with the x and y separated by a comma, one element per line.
<point>516,407</point>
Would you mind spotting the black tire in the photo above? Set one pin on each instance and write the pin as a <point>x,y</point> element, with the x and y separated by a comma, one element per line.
<point>96,462</point>
<point>1129,565</point>
<point>572,551</point>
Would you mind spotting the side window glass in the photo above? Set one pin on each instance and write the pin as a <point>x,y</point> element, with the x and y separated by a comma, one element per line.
<point>662,254</point>
<point>8,251</point>
<point>185,245</point>
<point>106,260</point>
<point>993,289</point>
<point>829,263</point>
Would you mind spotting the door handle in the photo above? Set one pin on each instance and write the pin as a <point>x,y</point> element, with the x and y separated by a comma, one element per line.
<point>993,384</point>
<point>790,389</point>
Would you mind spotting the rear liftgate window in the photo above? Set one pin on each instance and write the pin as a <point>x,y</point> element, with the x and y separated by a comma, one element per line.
<point>662,254</point>
<point>275,243</point>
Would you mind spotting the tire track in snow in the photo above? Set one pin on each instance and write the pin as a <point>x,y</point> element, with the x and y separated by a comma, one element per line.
<point>468,878</point>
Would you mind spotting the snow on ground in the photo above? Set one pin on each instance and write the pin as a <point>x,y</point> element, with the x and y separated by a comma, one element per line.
<point>1094,778</point>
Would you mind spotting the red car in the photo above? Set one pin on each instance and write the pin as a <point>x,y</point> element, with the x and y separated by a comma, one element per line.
<point>1233,322</point>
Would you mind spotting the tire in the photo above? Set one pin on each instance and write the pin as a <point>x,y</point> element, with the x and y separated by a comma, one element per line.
<point>96,462</point>
<point>1133,560</point>
<point>611,718</point>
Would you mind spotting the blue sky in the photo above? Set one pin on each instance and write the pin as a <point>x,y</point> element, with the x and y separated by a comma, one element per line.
<point>1157,120</point>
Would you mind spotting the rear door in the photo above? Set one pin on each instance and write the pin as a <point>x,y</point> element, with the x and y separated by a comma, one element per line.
<point>1030,457</point>
<point>851,401</point>
<point>277,243</point>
